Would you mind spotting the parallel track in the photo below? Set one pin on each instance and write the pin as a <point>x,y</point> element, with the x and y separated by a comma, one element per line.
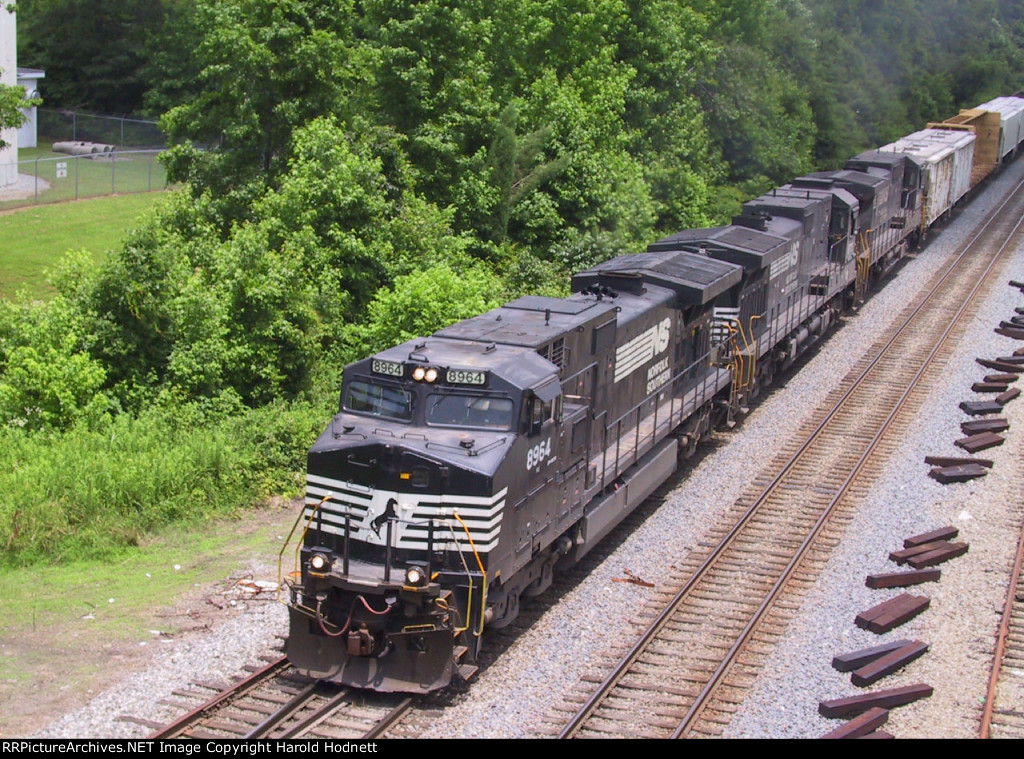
<point>689,670</point>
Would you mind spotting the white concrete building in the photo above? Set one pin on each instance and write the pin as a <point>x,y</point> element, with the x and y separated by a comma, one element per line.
<point>8,76</point>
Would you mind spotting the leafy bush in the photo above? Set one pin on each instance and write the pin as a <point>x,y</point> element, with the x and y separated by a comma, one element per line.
<point>93,492</point>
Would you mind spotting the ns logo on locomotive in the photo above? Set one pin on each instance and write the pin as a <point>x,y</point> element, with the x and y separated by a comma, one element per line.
<point>465,468</point>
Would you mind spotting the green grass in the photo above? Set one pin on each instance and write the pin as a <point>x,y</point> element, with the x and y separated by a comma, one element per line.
<point>69,631</point>
<point>170,564</point>
<point>33,239</point>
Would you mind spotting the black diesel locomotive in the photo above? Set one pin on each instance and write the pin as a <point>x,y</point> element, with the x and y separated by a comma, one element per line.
<point>465,468</point>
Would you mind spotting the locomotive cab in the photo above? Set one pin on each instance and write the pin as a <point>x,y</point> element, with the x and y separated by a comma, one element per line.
<point>404,508</point>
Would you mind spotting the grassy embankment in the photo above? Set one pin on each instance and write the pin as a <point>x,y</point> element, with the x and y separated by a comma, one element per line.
<point>33,238</point>
<point>129,508</point>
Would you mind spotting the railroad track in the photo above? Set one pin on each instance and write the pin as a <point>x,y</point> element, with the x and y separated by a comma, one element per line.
<point>276,703</point>
<point>692,664</point>
<point>1003,712</point>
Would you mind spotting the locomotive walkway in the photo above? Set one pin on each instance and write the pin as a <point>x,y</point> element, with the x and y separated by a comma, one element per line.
<point>690,667</point>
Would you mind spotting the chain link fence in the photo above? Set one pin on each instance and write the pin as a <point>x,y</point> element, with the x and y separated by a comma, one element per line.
<point>124,159</point>
<point>68,177</point>
<point>56,126</point>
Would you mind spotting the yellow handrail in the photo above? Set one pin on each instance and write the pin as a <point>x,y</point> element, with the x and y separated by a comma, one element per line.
<point>746,375</point>
<point>483,595</point>
<point>280,556</point>
<point>753,364</point>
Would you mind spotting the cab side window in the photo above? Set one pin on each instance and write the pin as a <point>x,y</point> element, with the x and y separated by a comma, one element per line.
<point>541,413</point>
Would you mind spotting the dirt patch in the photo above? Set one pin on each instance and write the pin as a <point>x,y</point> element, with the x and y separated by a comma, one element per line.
<point>52,669</point>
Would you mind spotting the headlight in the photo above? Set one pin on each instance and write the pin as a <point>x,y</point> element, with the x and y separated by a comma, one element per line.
<point>415,576</point>
<point>418,373</point>
<point>319,562</point>
<point>431,375</point>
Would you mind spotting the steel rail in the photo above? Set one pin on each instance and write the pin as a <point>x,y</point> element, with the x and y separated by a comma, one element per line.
<point>179,726</point>
<point>390,719</point>
<point>295,703</point>
<point>1003,633</point>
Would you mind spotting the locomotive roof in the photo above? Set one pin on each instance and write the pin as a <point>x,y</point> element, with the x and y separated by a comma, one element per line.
<point>530,321</point>
<point>798,206</point>
<point>862,185</point>
<point>520,366</point>
<point>749,248</point>
<point>835,194</point>
<point>694,279</point>
<point>875,158</point>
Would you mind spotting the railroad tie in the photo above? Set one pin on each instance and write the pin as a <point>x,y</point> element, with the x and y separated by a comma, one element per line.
<point>980,442</point>
<point>860,726</point>
<point>943,533</point>
<point>980,408</point>
<point>903,579</point>
<point>946,461</point>
<point>1017,333</point>
<point>938,556</point>
<point>901,556</point>
<point>1001,366</point>
<point>998,424</point>
<point>893,613</point>
<point>1007,396</point>
<point>857,659</point>
<point>871,673</point>
<point>949,474</point>
<point>1005,379</point>
<point>886,699</point>
<point>989,387</point>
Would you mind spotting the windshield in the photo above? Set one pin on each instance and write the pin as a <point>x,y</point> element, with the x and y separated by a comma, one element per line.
<point>389,401</point>
<point>481,412</point>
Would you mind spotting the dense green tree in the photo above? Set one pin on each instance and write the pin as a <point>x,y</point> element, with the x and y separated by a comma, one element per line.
<point>267,67</point>
<point>254,311</point>
<point>423,302</point>
<point>170,68</point>
<point>93,53</point>
<point>667,43</point>
<point>48,380</point>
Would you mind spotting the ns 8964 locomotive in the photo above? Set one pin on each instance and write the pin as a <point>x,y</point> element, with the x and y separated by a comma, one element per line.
<point>463,469</point>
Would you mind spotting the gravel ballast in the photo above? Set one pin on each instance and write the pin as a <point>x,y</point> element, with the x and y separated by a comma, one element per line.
<point>513,696</point>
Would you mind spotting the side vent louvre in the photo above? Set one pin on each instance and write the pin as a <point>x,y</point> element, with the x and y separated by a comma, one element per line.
<point>558,353</point>
<point>555,352</point>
